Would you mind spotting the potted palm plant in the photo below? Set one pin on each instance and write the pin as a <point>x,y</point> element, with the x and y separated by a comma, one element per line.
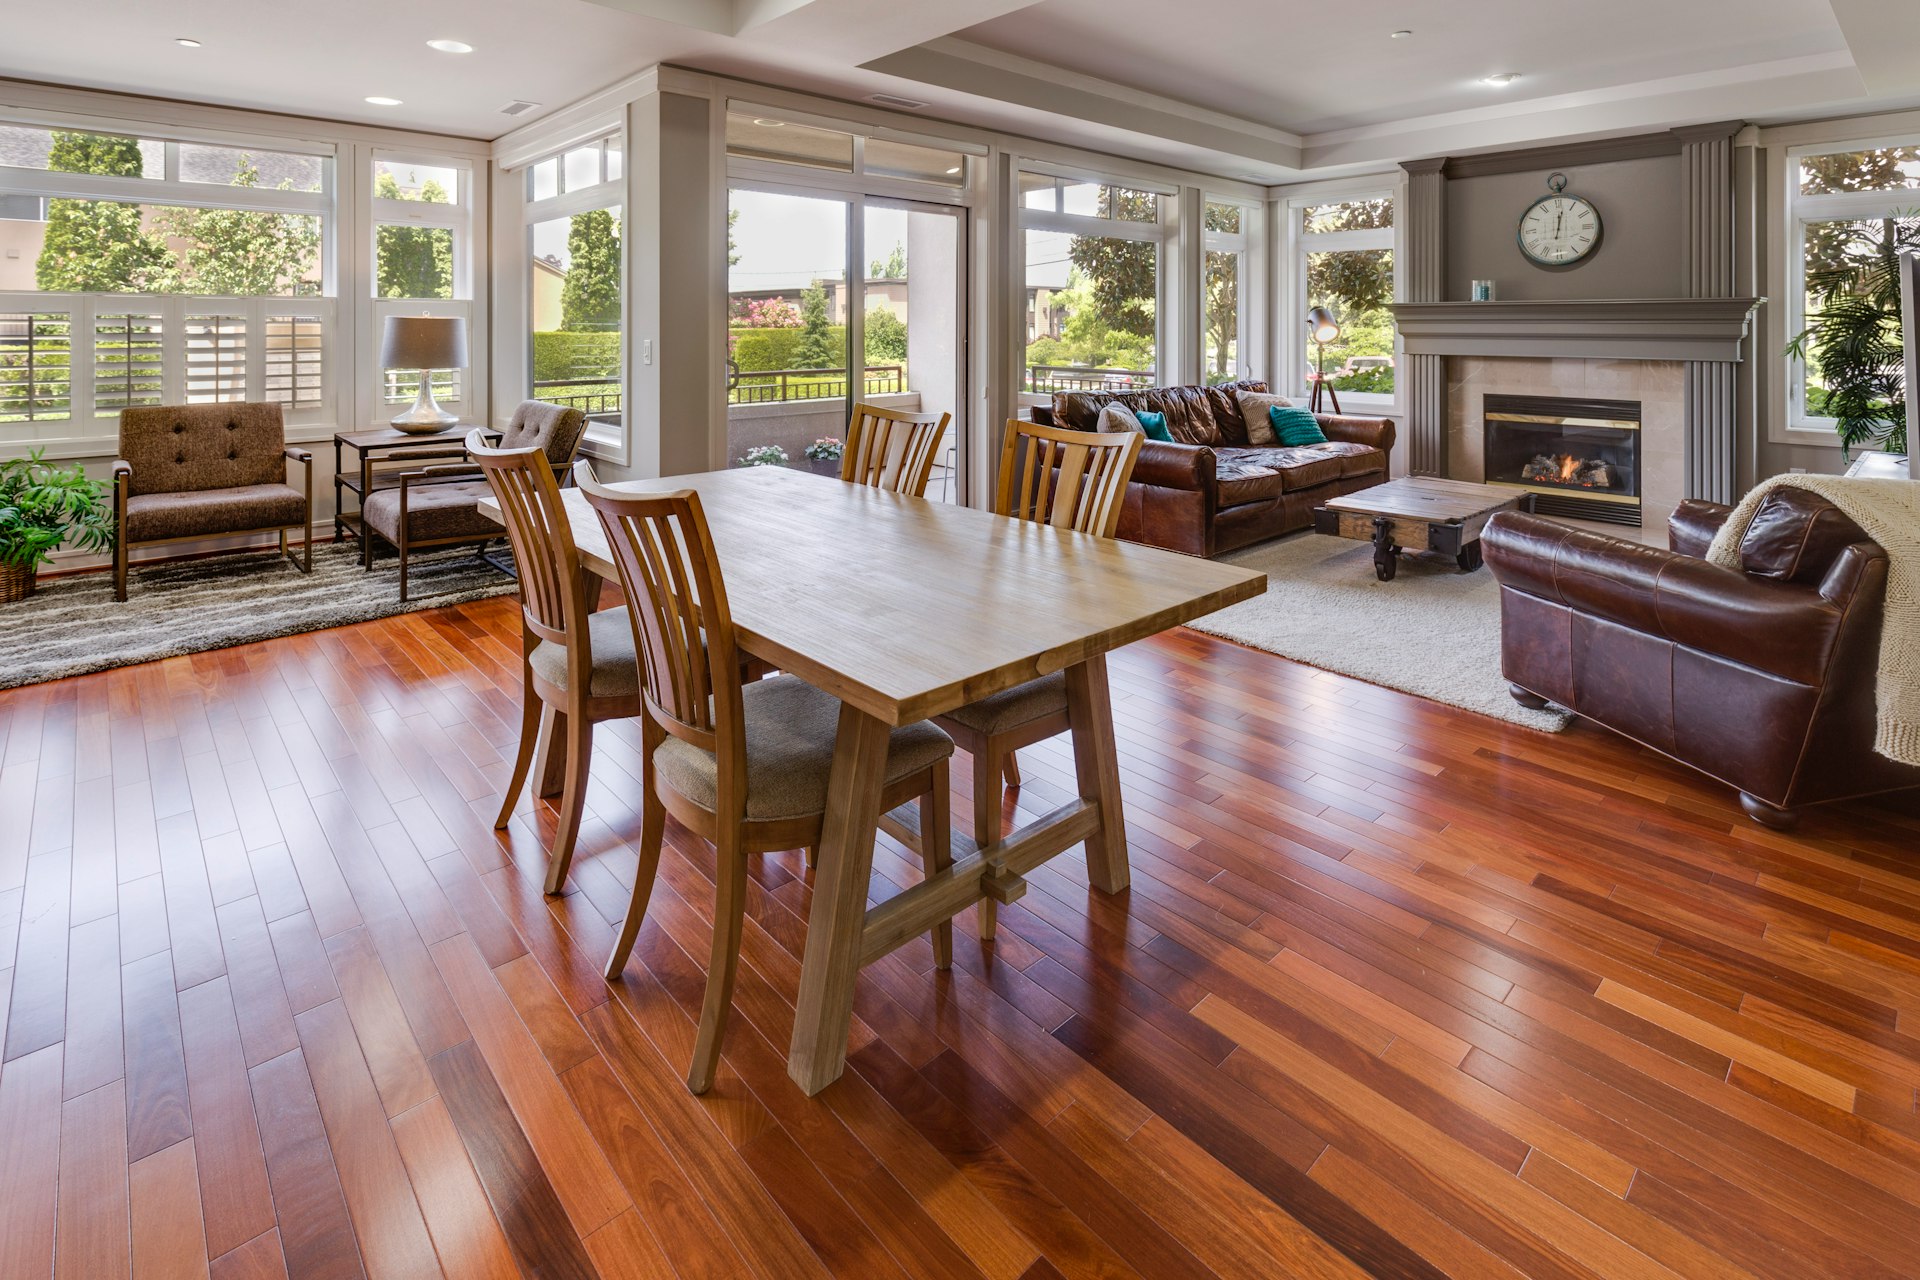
<point>42,507</point>
<point>1853,341</point>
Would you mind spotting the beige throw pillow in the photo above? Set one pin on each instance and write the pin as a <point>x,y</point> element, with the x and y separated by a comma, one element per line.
<point>1253,409</point>
<point>1117,417</point>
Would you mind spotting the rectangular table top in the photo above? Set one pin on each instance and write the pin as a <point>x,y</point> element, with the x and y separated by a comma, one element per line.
<point>1427,498</point>
<point>907,608</point>
<point>384,437</point>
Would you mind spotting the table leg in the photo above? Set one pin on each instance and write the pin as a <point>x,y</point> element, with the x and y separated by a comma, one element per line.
<point>823,1013</point>
<point>1096,766</point>
<point>550,756</point>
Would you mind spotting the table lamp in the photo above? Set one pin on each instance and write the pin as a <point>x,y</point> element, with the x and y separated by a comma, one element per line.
<point>1322,328</point>
<point>426,344</point>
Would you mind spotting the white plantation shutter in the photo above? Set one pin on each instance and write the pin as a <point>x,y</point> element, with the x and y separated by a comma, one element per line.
<point>216,358</point>
<point>128,361</point>
<point>36,366</point>
<point>295,352</point>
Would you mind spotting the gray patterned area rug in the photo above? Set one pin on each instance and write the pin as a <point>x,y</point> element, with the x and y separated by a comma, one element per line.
<point>73,625</point>
<point>1433,631</point>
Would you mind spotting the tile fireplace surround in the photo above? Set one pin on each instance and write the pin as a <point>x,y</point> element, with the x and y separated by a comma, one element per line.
<point>1659,386</point>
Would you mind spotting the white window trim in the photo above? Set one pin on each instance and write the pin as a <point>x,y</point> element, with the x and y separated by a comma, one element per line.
<point>1249,244</point>
<point>1802,427</point>
<point>1291,364</point>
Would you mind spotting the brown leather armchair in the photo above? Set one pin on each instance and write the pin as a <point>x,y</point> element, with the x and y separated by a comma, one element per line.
<point>187,472</point>
<point>1762,677</point>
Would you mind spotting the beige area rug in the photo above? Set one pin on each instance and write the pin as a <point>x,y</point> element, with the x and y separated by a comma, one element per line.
<point>1433,631</point>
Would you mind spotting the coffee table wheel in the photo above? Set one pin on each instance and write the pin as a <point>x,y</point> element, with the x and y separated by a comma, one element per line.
<point>1469,557</point>
<point>1386,556</point>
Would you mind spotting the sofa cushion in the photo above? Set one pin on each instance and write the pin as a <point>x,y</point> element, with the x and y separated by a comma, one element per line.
<point>1254,406</point>
<point>157,517</point>
<point>1244,475</point>
<point>181,448</point>
<point>1294,426</point>
<point>1153,426</point>
<point>1795,537</point>
<point>1249,475</point>
<point>434,511</point>
<point>1195,415</point>
<point>1116,417</point>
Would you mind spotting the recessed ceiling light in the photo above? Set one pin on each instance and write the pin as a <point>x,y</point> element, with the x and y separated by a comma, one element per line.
<point>384,102</point>
<point>1399,35</point>
<point>1500,79</point>
<point>186,42</point>
<point>955,169</point>
<point>765,123</point>
<point>450,46</point>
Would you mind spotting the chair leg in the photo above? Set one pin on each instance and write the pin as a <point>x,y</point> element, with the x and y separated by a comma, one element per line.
<point>936,852</point>
<point>1010,769</point>
<point>119,568</point>
<point>986,825</point>
<point>813,856</point>
<point>573,799</point>
<point>306,548</point>
<point>729,916</point>
<point>530,705</point>
<point>653,826</point>
<point>403,567</point>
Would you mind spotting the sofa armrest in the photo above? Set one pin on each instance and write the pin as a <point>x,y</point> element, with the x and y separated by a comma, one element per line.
<point>1175,466</point>
<point>122,470</point>
<point>1376,432</point>
<point>1691,527</point>
<point>1785,630</point>
<point>295,454</point>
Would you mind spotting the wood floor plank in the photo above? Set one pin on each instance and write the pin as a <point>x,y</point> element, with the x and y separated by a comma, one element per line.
<point>164,1199</point>
<point>30,1124</point>
<point>465,1232</point>
<point>258,1259</point>
<point>316,1236</point>
<point>37,1016</point>
<point>235,1199</point>
<point>393,1056</point>
<point>158,1113</point>
<point>93,1225</point>
<point>95,1054</point>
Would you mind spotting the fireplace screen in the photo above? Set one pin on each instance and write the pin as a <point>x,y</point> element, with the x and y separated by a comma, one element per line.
<point>1580,457</point>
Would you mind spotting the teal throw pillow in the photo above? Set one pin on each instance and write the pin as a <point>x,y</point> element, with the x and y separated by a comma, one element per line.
<point>1155,425</point>
<point>1295,426</point>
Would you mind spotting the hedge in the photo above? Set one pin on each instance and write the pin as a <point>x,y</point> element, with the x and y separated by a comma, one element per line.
<point>561,354</point>
<point>759,349</point>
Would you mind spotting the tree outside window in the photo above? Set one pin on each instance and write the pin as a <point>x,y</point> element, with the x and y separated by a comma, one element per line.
<point>1353,278</point>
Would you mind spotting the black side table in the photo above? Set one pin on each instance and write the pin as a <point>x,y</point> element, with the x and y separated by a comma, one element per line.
<point>369,447</point>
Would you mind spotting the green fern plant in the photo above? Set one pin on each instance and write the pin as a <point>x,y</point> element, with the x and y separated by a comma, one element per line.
<point>43,506</point>
<point>1853,340</point>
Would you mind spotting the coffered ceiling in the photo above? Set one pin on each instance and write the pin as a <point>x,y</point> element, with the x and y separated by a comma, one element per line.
<point>1248,88</point>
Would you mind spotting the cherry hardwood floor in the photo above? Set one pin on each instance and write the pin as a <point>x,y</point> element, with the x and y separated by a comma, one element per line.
<point>1397,991</point>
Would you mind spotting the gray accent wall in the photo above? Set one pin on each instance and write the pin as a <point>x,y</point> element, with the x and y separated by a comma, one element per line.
<point>1641,247</point>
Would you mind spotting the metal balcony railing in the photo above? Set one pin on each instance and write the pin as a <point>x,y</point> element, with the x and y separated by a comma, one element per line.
<point>1045,378</point>
<point>777,386</point>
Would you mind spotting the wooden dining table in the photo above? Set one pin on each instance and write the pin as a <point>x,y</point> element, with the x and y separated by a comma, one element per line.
<point>903,609</point>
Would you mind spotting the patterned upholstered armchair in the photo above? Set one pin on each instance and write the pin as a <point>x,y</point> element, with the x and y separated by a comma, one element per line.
<point>438,505</point>
<point>206,471</point>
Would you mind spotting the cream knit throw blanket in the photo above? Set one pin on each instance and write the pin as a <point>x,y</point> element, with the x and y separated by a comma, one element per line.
<point>1889,511</point>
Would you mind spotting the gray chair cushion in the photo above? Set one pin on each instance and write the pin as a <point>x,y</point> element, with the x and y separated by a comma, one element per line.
<point>616,671</point>
<point>193,513</point>
<point>435,510</point>
<point>1022,704</point>
<point>790,731</point>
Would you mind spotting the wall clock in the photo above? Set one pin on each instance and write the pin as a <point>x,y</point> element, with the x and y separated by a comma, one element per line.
<point>1559,230</point>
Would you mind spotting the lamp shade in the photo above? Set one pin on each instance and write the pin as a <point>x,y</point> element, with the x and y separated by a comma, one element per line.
<point>1321,326</point>
<point>424,342</point>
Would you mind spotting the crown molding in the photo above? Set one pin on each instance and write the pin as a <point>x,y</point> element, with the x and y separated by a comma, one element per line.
<point>1709,329</point>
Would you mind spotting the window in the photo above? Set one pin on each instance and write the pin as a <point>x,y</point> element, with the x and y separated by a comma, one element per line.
<point>1853,212</point>
<point>789,142</point>
<point>1224,302</point>
<point>422,236</point>
<point>143,271</point>
<point>575,299</point>
<point>1344,262</point>
<point>1093,284</point>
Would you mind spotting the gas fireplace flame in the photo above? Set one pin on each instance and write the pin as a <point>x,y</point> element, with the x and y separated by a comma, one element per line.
<point>1569,466</point>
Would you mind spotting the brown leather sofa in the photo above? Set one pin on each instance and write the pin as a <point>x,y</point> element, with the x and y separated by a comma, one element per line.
<point>1762,678</point>
<point>1213,491</point>
<point>187,472</point>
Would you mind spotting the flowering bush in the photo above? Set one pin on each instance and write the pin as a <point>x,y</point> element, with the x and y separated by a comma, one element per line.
<point>763,313</point>
<point>764,455</point>
<point>825,449</point>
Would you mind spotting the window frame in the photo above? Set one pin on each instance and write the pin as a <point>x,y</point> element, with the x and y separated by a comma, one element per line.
<point>609,193</point>
<point>1291,364</point>
<point>1247,245</point>
<point>1802,210</point>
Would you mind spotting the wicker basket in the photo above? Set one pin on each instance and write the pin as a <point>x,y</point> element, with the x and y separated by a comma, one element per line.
<point>15,583</point>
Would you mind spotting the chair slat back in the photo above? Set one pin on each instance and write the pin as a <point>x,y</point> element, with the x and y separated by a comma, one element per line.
<point>1068,479</point>
<point>553,592</point>
<point>892,449</point>
<point>683,630</point>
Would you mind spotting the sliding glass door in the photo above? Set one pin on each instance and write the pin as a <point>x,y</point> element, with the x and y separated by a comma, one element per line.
<point>809,336</point>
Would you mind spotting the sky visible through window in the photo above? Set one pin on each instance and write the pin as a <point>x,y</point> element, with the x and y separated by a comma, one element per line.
<point>783,243</point>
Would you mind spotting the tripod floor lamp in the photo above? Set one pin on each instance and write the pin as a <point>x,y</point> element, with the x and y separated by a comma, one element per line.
<point>1322,328</point>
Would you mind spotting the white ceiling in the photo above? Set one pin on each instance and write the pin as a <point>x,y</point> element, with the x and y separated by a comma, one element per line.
<point>1247,88</point>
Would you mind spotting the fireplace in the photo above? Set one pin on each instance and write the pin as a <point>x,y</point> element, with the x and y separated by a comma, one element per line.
<point>1580,458</point>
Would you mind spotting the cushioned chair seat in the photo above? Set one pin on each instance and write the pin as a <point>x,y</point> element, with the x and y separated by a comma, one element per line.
<point>155,517</point>
<point>434,511</point>
<point>790,732</point>
<point>1022,704</point>
<point>616,670</point>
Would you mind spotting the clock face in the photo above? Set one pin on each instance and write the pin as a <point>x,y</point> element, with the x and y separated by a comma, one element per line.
<point>1559,230</point>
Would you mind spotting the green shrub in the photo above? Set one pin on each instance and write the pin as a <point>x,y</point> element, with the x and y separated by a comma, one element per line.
<point>559,354</point>
<point>758,349</point>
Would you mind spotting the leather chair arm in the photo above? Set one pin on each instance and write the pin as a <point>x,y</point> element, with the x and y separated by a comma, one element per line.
<point>1376,432</point>
<point>295,454</point>
<point>1785,630</point>
<point>443,472</point>
<point>1691,527</point>
<point>1175,466</point>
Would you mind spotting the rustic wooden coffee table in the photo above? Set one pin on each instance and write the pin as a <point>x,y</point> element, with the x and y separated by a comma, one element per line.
<point>1417,513</point>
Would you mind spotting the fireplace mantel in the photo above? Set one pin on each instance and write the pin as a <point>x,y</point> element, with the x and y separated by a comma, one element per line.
<point>1709,329</point>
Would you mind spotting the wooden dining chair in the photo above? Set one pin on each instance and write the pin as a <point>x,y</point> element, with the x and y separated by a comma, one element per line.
<point>892,449</point>
<point>1071,480</point>
<point>742,764</point>
<point>577,666</point>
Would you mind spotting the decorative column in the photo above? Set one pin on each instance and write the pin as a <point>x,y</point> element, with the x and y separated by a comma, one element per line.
<point>1424,378</point>
<point>1707,264</point>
